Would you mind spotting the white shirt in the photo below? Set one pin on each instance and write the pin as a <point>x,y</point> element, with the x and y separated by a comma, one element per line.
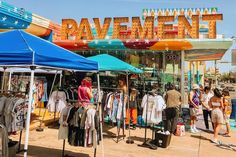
<point>205,99</point>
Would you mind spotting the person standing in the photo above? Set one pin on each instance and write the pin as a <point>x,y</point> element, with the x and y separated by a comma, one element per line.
<point>194,102</point>
<point>206,96</point>
<point>85,95</point>
<point>173,101</point>
<point>227,110</point>
<point>131,112</point>
<point>216,104</point>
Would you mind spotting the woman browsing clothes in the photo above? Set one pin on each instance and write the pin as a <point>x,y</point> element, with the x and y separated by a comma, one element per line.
<point>85,95</point>
<point>216,104</point>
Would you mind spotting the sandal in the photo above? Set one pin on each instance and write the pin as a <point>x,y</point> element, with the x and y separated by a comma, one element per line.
<point>226,135</point>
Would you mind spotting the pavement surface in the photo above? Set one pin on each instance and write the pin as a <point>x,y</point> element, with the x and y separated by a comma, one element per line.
<point>46,144</point>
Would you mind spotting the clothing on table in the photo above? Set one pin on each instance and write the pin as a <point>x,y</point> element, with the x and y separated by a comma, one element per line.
<point>57,101</point>
<point>173,98</point>
<point>217,116</point>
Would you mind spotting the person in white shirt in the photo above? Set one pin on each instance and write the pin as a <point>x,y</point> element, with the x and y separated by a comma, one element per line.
<point>206,96</point>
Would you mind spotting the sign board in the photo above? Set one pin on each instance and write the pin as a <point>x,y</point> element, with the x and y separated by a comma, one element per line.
<point>188,26</point>
<point>188,12</point>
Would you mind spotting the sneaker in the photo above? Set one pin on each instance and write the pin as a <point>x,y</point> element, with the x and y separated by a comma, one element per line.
<point>192,131</point>
<point>196,130</point>
<point>214,141</point>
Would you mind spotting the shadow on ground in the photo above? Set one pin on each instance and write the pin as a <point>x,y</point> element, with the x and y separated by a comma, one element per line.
<point>36,151</point>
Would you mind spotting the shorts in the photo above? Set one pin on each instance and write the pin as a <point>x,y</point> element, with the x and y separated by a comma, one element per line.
<point>217,116</point>
<point>193,112</point>
<point>226,118</point>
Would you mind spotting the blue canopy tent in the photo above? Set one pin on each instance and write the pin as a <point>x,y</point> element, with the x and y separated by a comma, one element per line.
<point>18,48</point>
<point>109,63</point>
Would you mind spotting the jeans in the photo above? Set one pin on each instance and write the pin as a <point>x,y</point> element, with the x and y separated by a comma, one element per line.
<point>172,115</point>
<point>207,113</point>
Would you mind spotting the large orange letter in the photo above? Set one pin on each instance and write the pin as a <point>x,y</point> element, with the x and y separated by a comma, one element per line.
<point>84,30</point>
<point>183,24</point>
<point>68,27</point>
<point>212,23</point>
<point>102,32</point>
<point>147,31</point>
<point>161,27</point>
<point>117,27</point>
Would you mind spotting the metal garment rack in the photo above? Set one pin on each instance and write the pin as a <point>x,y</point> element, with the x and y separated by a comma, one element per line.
<point>123,118</point>
<point>64,141</point>
<point>146,142</point>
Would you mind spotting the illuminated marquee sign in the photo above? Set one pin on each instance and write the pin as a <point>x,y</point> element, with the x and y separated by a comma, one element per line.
<point>188,12</point>
<point>139,29</point>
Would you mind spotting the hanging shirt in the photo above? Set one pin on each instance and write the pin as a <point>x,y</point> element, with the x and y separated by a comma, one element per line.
<point>57,101</point>
<point>63,129</point>
<point>2,105</point>
<point>45,93</point>
<point>148,103</point>
<point>18,115</point>
<point>156,115</point>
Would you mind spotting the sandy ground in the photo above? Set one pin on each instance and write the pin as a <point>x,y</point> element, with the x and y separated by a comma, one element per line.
<point>45,144</point>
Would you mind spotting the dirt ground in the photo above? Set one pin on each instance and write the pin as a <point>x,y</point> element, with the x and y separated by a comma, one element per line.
<point>46,144</point>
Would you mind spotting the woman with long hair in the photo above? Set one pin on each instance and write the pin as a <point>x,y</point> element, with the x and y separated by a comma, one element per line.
<point>216,104</point>
<point>85,91</point>
<point>227,110</point>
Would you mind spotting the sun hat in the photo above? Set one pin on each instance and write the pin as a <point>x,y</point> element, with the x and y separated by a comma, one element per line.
<point>195,86</point>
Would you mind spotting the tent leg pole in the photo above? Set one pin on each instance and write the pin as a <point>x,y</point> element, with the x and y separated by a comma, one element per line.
<point>182,77</point>
<point>29,112</point>
<point>9,81</point>
<point>3,78</point>
<point>129,140</point>
<point>100,112</point>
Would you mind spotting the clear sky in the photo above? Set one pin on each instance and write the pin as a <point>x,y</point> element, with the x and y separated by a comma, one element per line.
<point>56,10</point>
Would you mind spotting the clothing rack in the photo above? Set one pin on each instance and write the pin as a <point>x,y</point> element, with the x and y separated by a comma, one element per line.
<point>23,96</point>
<point>147,143</point>
<point>118,127</point>
<point>64,141</point>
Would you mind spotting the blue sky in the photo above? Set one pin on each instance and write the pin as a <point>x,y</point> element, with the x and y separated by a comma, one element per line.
<point>56,10</point>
